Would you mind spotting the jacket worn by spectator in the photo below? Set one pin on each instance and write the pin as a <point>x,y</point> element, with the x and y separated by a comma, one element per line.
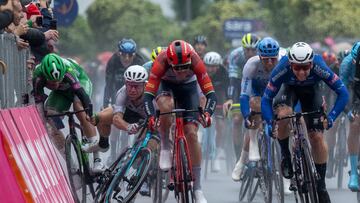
<point>114,78</point>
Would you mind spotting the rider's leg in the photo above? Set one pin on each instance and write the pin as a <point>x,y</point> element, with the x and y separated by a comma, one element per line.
<point>190,131</point>
<point>236,128</point>
<point>353,146</point>
<point>165,103</point>
<point>219,142</point>
<point>244,158</point>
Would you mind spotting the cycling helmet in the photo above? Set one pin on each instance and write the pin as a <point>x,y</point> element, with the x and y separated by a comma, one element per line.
<point>127,46</point>
<point>155,52</point>
<point>53,67</point>
<point>250,40</point>
<point>355,50</point>
<point>300,53</point>
<point>329,57</point>
<point>342,54</point>
<point>200,39</point>
<point>268,47</point>
<point>212,58</point>
<point>136,73</point>
<point>179,53</point>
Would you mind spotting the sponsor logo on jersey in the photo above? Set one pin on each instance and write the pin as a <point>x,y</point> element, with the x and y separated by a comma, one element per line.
<point>278,75</point>
<point>323,73</point>
<point>271,87</point>
<point>207,85</point>
<point>334,79</point>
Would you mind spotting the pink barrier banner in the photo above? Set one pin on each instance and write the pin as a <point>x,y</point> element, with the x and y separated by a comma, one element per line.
<point>35,155</point>
<point>9,189</point>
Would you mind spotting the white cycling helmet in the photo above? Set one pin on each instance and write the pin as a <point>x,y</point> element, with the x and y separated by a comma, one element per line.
<point>212,58</point>
<point>136,73</point>
<point>301,53</point>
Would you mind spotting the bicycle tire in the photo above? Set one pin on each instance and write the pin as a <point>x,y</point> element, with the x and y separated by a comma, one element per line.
<point>207,152</point>
<point>160,191</point>
<point>253,188</point>
<point>186,193</point>
<point>309,174</point>
<point>101,189</point>
<point>244,183</point>
<point>70,142</point>
<point>144,154</point>
<point>265,177</point>
<point>342,155</point>
<point>277,176</point>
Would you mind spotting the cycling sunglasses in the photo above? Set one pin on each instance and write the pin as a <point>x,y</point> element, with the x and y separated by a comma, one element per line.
<point>183,67</point>
<point>269,59</point>
<point>298,67</point>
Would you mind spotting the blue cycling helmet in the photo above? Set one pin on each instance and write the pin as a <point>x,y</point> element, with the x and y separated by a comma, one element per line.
<point>268,47</point>
<point>355,50</point>
<point>127,46</point>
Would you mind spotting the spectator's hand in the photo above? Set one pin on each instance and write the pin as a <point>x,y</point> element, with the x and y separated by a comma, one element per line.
<point>227,106</point>
<point>30,63</point>
<point>21,29</point>
<point>21,44</point>
<point>52,34</point>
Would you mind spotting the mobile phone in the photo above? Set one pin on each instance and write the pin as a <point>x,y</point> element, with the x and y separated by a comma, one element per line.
<point>53,24</point>
<point>39,21</point>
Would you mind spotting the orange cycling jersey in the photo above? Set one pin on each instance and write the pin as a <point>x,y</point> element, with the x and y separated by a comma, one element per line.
<point>162,70</point>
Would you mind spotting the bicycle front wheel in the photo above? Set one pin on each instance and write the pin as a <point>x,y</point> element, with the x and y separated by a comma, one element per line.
<point>341,154</point>
<point>277,176</point>
<point>185,190</point>
<point>309,175</point>
<point>75,168</point>
<point>127,182</point>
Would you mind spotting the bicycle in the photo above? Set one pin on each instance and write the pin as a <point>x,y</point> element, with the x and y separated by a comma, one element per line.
<point>181,178</point>
<point>340,152</point>
<point>303,183</point>
<point>77,161</point>
<point>158,183</point>
<point>125,176</point>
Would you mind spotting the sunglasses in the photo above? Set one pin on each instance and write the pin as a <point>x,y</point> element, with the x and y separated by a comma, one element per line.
<point>269,59</point>
<point>182,67</point>
<point>131,85</point>
<point>127,54</point>
<point>304,67</point>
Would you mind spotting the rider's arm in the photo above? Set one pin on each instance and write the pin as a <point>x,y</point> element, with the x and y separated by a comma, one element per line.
<point>205,83</point>
<point>279,74</point>
<point>39,83</point>
<point>334,82</point>
<point>246,88</point>
<point>119,122</point>
<point>109,82</point>
<point>157,72</point>
<point>79,91</point>
<point>347,70</point>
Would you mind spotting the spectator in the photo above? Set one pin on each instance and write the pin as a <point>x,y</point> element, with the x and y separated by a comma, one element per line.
<point>10,13</point>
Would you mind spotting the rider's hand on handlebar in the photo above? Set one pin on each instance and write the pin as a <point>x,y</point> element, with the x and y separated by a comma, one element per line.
<point>350,116</point>
<point>328,123</point>
<point>227,106</point>
<point>248,123</point>
<point>205,120</point>
<point>152,124</point>
<point>133,128</point>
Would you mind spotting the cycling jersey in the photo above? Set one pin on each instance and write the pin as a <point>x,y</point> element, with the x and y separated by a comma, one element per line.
<point>75,83</point>
<point>220,82</point>
<point>162,71</point>
<point>236,61</point>
<point>148,65</point>
<point>347,70</point>
<point>253,83</point>
<point>284,74</point>
<point>123,103</point>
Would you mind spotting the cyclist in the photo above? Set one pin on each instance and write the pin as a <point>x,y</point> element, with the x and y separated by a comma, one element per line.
<point>237,60</point>
<point>200,44</point>
<point>348,73</point>
<point>127,110</point>
<point>155,52</point>
<point>299,73</point>
<point>256,74</point>
<point>69,84</point>
<point>178,71</point>
<point>115,68</point>
<point>218,76</point>
<point>331,61</point>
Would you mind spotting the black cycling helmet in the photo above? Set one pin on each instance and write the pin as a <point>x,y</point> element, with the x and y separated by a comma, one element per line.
<point>200,39</point>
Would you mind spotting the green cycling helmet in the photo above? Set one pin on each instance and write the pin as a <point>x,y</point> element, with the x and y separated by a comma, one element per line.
<point>53,67</point>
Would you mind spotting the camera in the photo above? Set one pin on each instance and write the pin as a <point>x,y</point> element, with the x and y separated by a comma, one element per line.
<point>53,24</point>
<point>39,21</point>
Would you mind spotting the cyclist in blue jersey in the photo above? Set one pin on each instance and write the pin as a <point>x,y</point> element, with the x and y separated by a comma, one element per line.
<point>155,52</point>
<point>237,60</point>
<point>351,79</point>
<point>299,75</point>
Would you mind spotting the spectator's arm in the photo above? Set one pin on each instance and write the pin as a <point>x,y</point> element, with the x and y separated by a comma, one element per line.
<point>34,36</point>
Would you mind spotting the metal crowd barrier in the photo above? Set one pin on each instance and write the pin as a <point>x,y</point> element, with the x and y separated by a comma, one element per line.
<point>15,83</point>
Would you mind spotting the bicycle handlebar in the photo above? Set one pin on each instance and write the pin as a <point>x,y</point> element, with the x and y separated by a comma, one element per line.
<point>298,115</point>
<point>176,111</point>
<point>66,113</point>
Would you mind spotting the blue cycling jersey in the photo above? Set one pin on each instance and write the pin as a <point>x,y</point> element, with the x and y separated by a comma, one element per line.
<point>320,71</point>
<point>347,70</point>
